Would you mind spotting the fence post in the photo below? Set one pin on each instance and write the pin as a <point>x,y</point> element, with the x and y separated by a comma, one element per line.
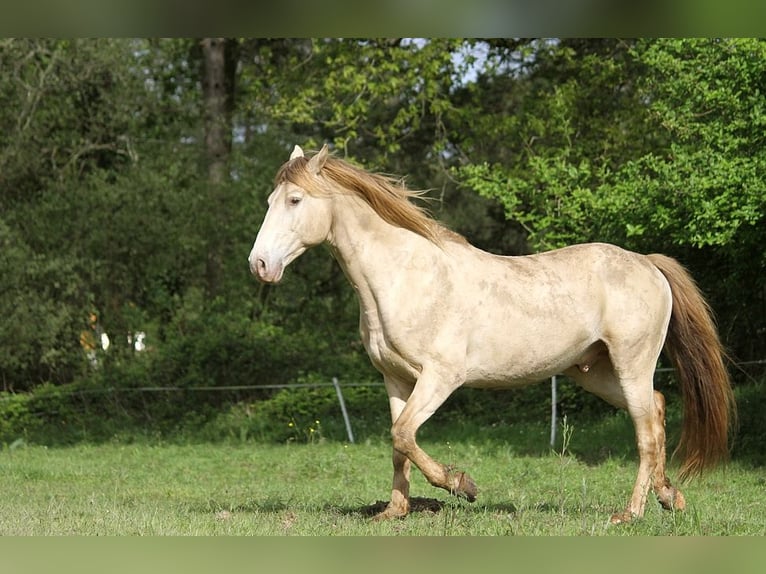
<point>343,409</point>
<point>553,411</point>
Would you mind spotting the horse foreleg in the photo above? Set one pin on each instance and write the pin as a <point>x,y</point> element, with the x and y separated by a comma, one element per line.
<point>410,408</point>
<point>455,482</point>
<point>399,505</point>
<point>428,395</point>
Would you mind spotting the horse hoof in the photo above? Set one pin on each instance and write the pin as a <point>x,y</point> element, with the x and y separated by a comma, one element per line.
<point>621,518</point>
<point>466,487</point>
<point>672,499</point>
<point>390,513</point>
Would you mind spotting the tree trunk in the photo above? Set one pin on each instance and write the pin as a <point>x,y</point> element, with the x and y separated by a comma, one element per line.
<point>219,64</point>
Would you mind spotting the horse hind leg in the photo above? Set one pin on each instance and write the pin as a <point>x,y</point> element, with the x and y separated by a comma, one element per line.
<point>640,406</point>
<point>647,410</point>
<point>648,413</point>
<point>669,496</point>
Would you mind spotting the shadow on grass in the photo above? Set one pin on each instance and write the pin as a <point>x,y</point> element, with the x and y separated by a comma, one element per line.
<point>430,505</point>
<point>418,504</point>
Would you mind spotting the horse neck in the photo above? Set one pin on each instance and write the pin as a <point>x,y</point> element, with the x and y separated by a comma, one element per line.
<point>364,244</point>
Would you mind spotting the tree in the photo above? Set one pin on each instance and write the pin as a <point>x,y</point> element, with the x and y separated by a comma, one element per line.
<point>219,64</point>
<point>98,179</point>
<point>134,173</point>
<point>64,130</point>
<point>656,145</point>
<point>42,302</point>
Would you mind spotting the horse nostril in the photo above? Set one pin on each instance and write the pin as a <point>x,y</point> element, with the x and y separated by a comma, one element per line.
<point>257,265</point>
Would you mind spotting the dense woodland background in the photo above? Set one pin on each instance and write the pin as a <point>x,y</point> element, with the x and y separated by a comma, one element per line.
<point>134,174</point>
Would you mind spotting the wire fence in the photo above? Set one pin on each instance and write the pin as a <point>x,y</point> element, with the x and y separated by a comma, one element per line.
<point>258,387</point>
<point>335,384</point>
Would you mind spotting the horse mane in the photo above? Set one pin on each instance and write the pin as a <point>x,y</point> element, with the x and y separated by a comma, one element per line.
<point>386,195</point>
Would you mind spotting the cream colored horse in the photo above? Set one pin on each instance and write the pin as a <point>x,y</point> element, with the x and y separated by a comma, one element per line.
<point>437,313</point>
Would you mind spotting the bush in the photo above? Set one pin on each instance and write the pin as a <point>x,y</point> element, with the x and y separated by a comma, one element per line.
<point>56,415</point>
<point>305,415</point>
<point>750,434</point>
<point>16,418</point>
<point>201,353</point>
<point>43,306</point>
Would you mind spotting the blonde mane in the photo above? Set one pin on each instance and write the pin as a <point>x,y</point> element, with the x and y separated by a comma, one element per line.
<point>387,196</point>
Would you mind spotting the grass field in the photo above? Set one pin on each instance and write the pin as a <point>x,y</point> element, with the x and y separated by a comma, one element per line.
<point>327,488</point>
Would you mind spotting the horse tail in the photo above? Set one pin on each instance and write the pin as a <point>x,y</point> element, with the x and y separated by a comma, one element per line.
<point>693,346</point>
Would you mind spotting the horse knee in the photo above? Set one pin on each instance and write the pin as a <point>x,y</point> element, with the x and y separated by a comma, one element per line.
<point>402,439</point>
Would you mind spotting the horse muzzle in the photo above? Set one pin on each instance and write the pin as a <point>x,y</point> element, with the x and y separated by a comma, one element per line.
<point>264,270</point>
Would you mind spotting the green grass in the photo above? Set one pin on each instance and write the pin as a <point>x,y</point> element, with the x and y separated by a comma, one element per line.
<point>326,488</point>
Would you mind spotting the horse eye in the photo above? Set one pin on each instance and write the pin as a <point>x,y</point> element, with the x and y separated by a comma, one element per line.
<point>295,200</point>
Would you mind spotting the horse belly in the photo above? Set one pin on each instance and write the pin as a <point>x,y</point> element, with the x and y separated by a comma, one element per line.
<point>514,373</point>
<point>510,356</point>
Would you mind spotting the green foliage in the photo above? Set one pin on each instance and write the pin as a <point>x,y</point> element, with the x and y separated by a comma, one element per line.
<point>559,193</point>
<point>527,144</point>
<point>552,118</point>
<point>356,90</point>
<point>690,172</point>
<point>305,414</point>
<point>705,96</point>
<point>43,305</point>
<point>207,362</point>
<point>750,433</point>
<point>68,111</point>
<point>17,419</point>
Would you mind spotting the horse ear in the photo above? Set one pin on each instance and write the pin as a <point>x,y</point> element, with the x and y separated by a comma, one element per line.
<point>297,152</point>
<point>316,163</point>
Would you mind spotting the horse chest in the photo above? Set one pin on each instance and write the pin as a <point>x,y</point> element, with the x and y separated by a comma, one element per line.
<point>383,353</point>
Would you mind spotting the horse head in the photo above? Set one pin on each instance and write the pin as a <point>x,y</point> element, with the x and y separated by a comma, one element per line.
<point>297,218</point>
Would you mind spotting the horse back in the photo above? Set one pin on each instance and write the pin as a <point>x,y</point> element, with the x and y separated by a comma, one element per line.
<point>526,317</point>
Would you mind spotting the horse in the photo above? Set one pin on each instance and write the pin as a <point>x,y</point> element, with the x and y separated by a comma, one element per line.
<point>437,313</point>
